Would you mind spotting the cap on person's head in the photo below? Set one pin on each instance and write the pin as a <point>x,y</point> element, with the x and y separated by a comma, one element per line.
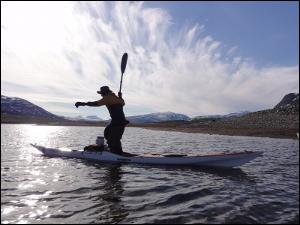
<point>104,90</point>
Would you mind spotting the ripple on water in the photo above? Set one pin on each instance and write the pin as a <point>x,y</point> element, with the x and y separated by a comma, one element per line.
<point>37,189</point>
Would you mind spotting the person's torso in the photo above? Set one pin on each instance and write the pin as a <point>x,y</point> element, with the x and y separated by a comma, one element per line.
<point>115,108</point>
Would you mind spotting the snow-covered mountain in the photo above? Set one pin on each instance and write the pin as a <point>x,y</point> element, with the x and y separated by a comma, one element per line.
<point>236,114</point>
<point>18,106</point>
<point>76,118</point>
<point>21,107</point>
<point>93,118</point>
<point>157,117</point>
<point>87,118</point>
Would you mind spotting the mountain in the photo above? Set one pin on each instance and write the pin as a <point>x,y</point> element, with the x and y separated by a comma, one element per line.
<point>290,100</point>
<point>77,118</point>
<point>20,107</point>
<point>87,118</point>
<point>93,118</point>
<point>282,122</point>
<point>236,114</point>
<point>157,117</point>
<point>12,106</point>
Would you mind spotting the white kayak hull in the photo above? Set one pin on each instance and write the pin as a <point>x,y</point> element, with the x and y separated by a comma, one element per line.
<point>228,160</point>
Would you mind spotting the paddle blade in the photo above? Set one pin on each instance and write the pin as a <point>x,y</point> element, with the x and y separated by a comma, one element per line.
<point>124,62</point>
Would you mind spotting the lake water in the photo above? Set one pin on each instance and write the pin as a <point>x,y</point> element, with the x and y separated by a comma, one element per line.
<point>38,189</point>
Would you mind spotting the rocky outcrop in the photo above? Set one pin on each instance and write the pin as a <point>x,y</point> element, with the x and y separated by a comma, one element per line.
<point>291,100</point>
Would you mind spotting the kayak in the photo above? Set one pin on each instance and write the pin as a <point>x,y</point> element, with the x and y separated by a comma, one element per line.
<point>224,160</point>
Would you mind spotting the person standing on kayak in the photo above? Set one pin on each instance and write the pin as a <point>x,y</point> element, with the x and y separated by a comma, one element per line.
<point>114,131</point>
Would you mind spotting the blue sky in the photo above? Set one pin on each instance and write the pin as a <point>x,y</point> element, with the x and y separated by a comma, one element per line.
<point>258,29</point>
<point>195,58</point>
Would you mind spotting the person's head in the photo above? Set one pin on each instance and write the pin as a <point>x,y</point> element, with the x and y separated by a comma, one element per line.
<point>104,90</point>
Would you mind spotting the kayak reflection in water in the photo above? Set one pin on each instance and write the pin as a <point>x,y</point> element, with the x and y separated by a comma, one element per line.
<point>114,131</point>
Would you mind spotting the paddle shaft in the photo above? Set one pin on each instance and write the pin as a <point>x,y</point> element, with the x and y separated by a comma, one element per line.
<point>121,83</point>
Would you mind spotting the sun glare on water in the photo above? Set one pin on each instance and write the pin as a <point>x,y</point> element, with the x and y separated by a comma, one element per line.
<point>41,134</point>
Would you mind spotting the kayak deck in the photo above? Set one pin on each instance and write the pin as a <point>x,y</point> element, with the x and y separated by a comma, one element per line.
<point>216,160</point>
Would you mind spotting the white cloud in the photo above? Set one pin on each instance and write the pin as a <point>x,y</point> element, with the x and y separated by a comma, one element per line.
<point>64,53</point>
<point>237,60</point>
<point>232,50</point>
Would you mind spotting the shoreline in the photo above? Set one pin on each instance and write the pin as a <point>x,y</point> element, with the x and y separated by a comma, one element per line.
<point>271,133</point>
<point>249,132</point>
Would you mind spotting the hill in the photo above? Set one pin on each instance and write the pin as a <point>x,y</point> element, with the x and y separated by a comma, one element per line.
<point>157,117</point>
<point>282,121</point>
<point>18,110</point>
<point>20,107</point>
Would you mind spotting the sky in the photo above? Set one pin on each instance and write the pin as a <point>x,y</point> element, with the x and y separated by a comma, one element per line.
<point>195,58</point>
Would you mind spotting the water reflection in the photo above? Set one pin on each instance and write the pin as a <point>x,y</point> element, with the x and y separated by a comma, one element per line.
<point>228,173</point>
<point>234,174</point>
<point>112,194</point>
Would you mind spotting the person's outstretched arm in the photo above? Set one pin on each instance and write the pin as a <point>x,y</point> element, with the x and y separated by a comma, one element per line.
<point>96,103</point>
